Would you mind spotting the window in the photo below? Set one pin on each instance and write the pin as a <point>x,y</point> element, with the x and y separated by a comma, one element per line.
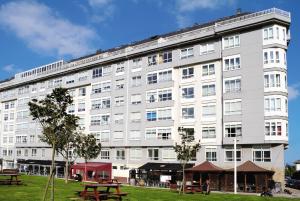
<point>188,113</point>
<point>168,154</point>
<point>232,85</point>
<point>101,103</point>
<point>229,155</point>
<point>165,76</point>
<point>120,154</point>
<point>152,78</point>
<point>268,33</point>
<point>119,100</point>
<point>137,63</point>
<point>261,155</point>
<point>208,110</point>
<point>233,107</point>
<point>186,52</point>
<point>164,133</point>
<point>211,154</point>
<point>119,118</point>
<point>19,152</point>
<point>135,135</point>
<point>150,133</point>
<point>188,92</point>
<point>208,90</point>
<point>118,135</point>
<point>33,152</point>
<point>208,70</point>
<point>104,154</point>
<point>100,120</point>
<point>271,56</point>
<point>120,84</point>
<point>120,68</point>
<point>208,132</point>
<point>136,81</point>
<point>136,99</point>
<point>207,48</point>
<point>135,154</point>
<point>272,80</point>
<point>101,71</point>
<point>152,60</point>
<point>233,129</point>
<point>232,63</point>
<point>82,91</point>
<point>164,114</point>
<point>165,57</point>
<point>82,76</point>
<point>272,104</point>
<point>231,41</point>
<point>102,136</point>
<point>71,108</point>
<point>273,128</point>
<point>70,79</point>
<point>151,115</point>
<point>81,107</point>
<point>101,87</point>
<point>187,73</point>
<point>26,152</point>
<point>153,154</point>
<point>135,117</point>
<point>164,95</point>
<point>151,96</point>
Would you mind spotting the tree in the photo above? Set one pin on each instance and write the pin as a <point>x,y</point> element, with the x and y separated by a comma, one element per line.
<point>186,150</point>
<point>86,147</point>
<point>51,113</point>
<point>67,141</point>
<point>290,170</point>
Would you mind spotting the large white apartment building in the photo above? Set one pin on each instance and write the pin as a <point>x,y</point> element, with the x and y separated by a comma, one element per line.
<point>225,79</point>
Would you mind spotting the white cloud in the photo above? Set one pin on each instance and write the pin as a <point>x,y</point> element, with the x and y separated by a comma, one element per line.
<point>100,10</point>
<point>99,3</point>
<point>294,92</point>
<point>44,31</point>
<point>191,5</point>
<point>11,69</point>
<point>185,7</point>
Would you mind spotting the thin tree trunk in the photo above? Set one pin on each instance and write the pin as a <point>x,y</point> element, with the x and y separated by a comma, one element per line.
<point>51,174</point>
<point>85,173</point>
<point>67,168</point>
<point>182,187</point>
<point>52,190</point>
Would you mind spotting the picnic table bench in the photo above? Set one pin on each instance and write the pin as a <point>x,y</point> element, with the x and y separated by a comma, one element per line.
<point>11,176</point>
<point>102,194</point>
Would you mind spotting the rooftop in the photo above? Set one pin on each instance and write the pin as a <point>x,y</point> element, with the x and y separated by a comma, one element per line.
<point>137,45</point>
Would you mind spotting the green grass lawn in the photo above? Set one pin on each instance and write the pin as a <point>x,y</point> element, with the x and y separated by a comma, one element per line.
<point>33,186</point>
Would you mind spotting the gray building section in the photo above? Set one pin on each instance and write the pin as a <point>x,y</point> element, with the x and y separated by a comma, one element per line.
<point>253,108</point>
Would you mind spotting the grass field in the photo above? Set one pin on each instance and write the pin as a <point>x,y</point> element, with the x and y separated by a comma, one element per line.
<point>33,186</point>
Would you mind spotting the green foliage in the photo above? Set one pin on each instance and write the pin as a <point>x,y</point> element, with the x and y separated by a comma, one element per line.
<point>86,147</point>
<point>187,149</point>
<point>290,170</point>
<point>52,115</point>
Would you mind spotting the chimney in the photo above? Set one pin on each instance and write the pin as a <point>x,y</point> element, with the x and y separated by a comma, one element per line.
<point>238,11</point>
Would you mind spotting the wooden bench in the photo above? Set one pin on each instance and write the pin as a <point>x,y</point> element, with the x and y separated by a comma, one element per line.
<point>13,174</point>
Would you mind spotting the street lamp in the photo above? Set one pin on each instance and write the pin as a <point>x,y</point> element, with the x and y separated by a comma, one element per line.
<point>235,168</point>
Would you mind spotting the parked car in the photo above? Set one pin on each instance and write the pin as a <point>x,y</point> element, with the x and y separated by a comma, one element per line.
<point>297,184</point>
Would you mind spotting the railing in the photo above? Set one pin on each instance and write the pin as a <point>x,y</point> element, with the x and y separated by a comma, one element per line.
<point>256,14</point>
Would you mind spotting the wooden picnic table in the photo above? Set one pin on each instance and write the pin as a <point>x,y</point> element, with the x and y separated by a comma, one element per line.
<point>102,195</point>
<point>13,178</point>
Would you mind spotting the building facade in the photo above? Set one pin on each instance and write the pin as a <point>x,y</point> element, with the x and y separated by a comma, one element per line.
<point>225,79</point>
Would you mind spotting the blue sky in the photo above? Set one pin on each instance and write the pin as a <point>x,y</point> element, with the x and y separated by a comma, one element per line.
<point>33,33</point>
